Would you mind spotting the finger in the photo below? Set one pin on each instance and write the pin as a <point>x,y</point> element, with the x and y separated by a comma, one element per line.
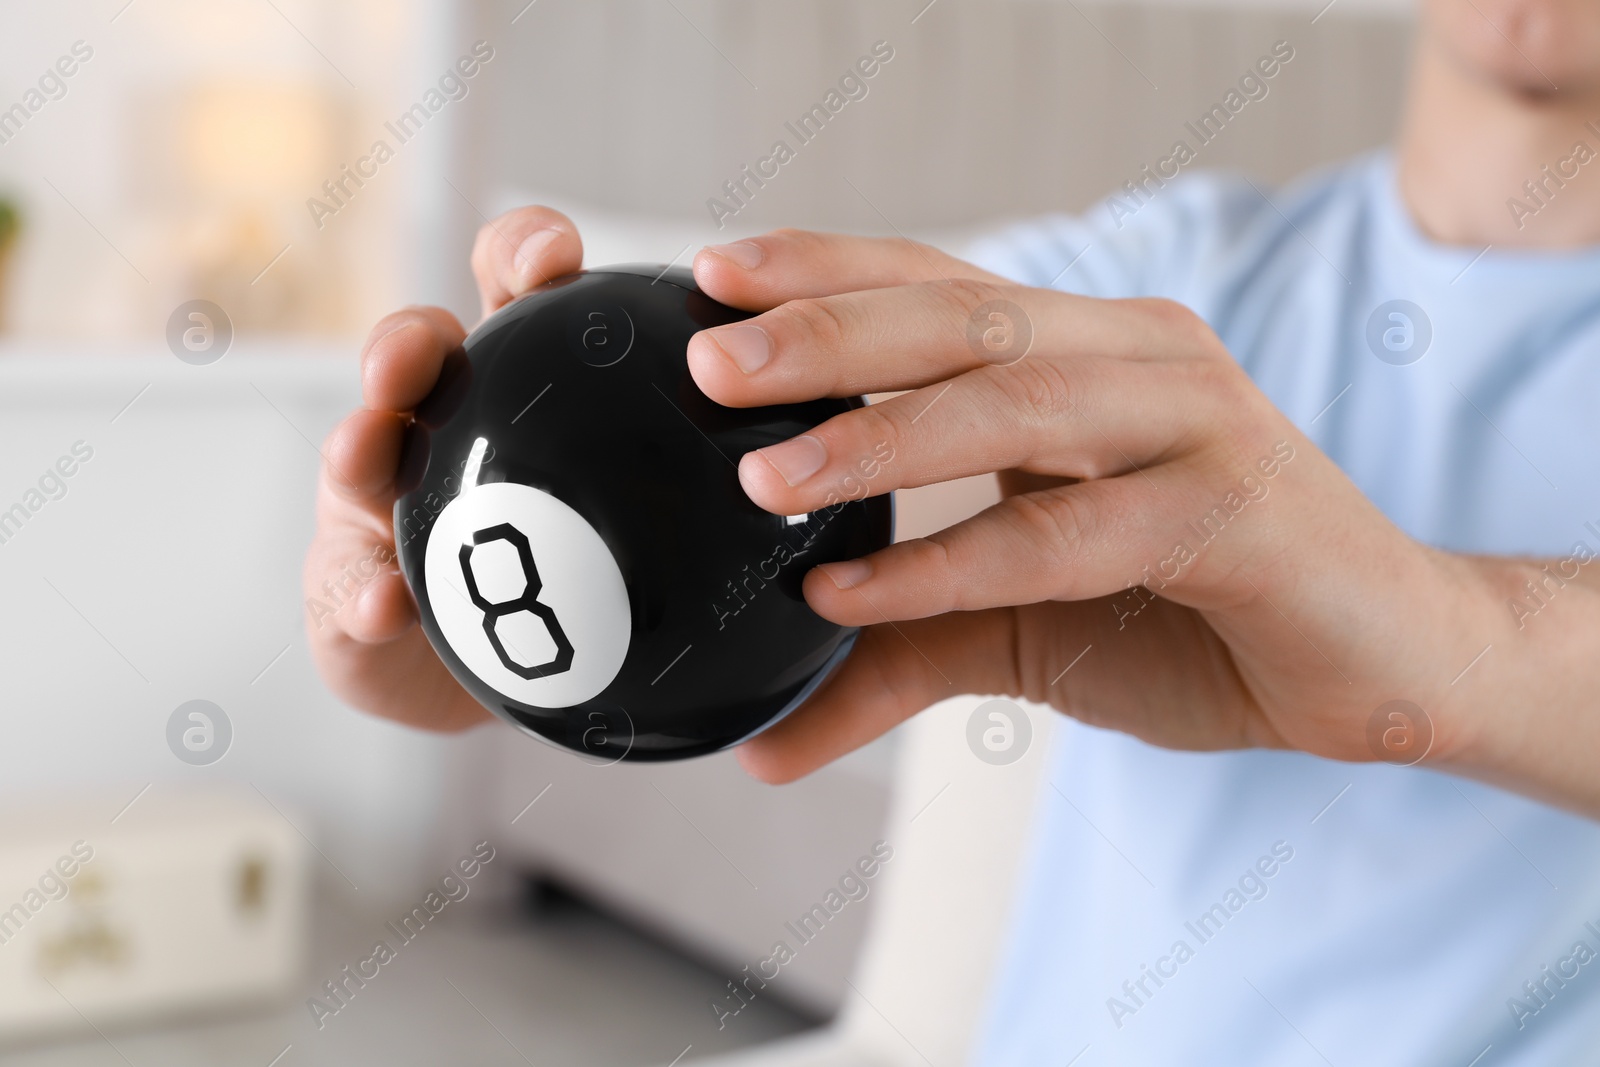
<point>401,358</point>
<point>361,457</point>
<point>353,587</point>
<point>521,249</point>
<point>1078,419</point>
<point>893,673</point>
<point>762,272</point>
<point>1072,543</point>
<point>913,335</point>
<point>362,624</point>
<point>400,679</point>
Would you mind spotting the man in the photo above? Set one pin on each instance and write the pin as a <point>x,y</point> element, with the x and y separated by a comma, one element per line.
<point>1310,473</point>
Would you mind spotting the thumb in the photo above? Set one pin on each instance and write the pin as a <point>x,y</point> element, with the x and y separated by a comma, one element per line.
<point>895,670</point>
<point>521,249</point>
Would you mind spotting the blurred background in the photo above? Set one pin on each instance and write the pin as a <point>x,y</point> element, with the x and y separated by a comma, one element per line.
<point>299,169</point>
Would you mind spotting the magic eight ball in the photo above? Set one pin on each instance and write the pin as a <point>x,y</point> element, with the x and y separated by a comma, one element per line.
<point>573,529</point>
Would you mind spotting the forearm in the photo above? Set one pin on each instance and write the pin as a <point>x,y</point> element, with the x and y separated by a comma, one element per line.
<point>1526,714</point>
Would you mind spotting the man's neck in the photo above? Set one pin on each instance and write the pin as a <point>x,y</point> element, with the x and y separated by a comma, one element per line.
<point>1468,151</point>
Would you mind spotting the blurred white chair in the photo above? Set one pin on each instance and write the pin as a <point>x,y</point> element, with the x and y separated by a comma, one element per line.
<point>959,828</point>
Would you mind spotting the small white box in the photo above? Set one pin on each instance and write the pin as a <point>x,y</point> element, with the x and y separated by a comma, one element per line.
<point>189,900</point>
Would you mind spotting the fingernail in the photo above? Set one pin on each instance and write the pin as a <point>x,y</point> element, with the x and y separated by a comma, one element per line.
<point>849,574</point>
<point>530,252</point>
<point>746,254</point>
<point>748,346</point>
<point>797,459</point>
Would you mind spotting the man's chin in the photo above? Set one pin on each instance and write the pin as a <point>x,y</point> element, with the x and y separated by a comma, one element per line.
<point>1538,49</point>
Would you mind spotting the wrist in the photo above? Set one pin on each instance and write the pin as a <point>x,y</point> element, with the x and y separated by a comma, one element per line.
<point>1474,733</point>
<point>1518,716</point>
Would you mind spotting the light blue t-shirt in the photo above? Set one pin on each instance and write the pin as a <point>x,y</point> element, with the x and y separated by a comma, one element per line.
<point>1401,924</point>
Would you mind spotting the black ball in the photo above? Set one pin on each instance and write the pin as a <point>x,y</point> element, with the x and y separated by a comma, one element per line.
<point>583,557</point>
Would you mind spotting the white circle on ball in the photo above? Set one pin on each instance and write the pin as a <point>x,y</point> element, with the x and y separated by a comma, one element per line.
<point>528,595</point>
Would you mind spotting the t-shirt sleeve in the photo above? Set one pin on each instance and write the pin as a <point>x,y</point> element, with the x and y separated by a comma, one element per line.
<point>1122,247</point>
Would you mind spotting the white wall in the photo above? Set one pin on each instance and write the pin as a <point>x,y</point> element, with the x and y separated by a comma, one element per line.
<point>987,109</point>
<point>175,564</point>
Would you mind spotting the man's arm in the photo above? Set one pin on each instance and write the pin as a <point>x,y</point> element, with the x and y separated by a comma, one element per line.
<point>1528,705</point>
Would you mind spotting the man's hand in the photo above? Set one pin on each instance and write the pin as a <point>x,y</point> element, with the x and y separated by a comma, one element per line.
<point>363,625</point>
<point>1172,558</point>
<point>1223,582</point>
